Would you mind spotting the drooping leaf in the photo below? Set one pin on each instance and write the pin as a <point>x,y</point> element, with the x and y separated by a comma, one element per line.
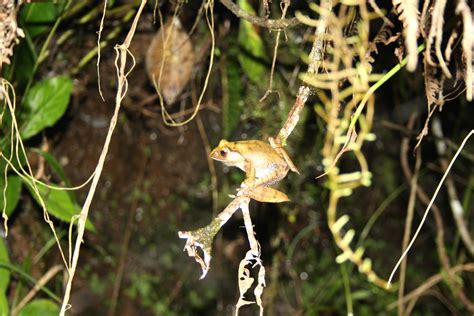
<point>59,203</point>
<point>253,50</point>
<point>13,193</point>
<point>44,105</point>
<point>41,307</point>
<point>4,272</point>
<point>170,60</point>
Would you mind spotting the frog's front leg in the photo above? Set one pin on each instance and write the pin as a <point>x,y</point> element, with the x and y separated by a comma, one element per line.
<point>250,179</point>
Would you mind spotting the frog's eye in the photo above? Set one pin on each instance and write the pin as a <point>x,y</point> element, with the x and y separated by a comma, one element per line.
<point>224,152</point>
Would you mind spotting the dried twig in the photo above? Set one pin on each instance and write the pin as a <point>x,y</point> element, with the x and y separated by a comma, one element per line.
<point>285,4</point>
<point>38,285</point>
<point>99,34</point>
<point>424,198</point>
<point>429,206</point>
<point>122,73</point>
<point>202,238</point>
<point>432,281</point>
<point>316,59</point>
<point>456,205</point>
<point>407,231</point>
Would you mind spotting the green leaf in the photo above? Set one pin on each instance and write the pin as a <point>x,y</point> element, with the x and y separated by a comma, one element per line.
<point>44,105</point>
<point>3,305</point>
<point>54,164</point>
<point>22,66</point>
<point>253,49</point>
<point>59,203</point>
<point>4,272</point>
<point>13,193</point>
<point>41,307</point>
<point>38,16</point>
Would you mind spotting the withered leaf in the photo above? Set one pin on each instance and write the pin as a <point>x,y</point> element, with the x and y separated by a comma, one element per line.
<point>170,60</point>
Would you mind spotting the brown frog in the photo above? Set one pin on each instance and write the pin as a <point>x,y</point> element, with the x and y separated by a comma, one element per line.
<point>263,164</point>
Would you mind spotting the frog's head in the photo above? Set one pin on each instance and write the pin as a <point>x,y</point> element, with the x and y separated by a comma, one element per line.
<point>226,153</point>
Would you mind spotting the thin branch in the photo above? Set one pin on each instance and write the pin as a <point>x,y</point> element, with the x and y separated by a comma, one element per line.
<point>38,285</point>
<point>285,5</point>
<point>407,231</point>
<point>439,229</point>
<point>122,53</point>
<point>432,281</point>
<point>455,203</point>
<point>429,205</point>
<point>264,22</point>
<point>316,59</point>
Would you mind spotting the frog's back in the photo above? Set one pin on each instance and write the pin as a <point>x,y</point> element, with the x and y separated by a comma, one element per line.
<point>258,151</point>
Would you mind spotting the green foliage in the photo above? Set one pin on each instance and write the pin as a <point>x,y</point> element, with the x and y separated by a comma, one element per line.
<point>44,105</point>
<point>35,19</point>
<point>3,305</point>
<point>41,307</point>
<point>253,52</point>
<point>54,164</point>
<point>59,203</point>
<point>4,272</point>
<point>37,16</point>
<point>21,69</point>
<point>12,194</point>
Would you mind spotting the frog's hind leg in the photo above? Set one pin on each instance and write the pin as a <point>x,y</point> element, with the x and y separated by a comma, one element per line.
<point>282,152</point>
<point>266,194</point>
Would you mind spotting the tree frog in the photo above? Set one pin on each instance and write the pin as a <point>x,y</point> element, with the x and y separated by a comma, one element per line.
<point>263,164</point>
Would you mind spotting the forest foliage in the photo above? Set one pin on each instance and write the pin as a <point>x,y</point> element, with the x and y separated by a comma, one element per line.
<point>110,111</point>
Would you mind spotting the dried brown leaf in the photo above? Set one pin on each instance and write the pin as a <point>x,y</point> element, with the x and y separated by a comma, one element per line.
<point>434,94</point>
<point>435,36</point>
<point>409,15</point>
<point>433,85</point>
<point>467,45</point>
<point>9,31</point>
<point>170,60</point>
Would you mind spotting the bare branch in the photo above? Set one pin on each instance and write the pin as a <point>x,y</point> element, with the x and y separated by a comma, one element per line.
<point>264,22</point>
